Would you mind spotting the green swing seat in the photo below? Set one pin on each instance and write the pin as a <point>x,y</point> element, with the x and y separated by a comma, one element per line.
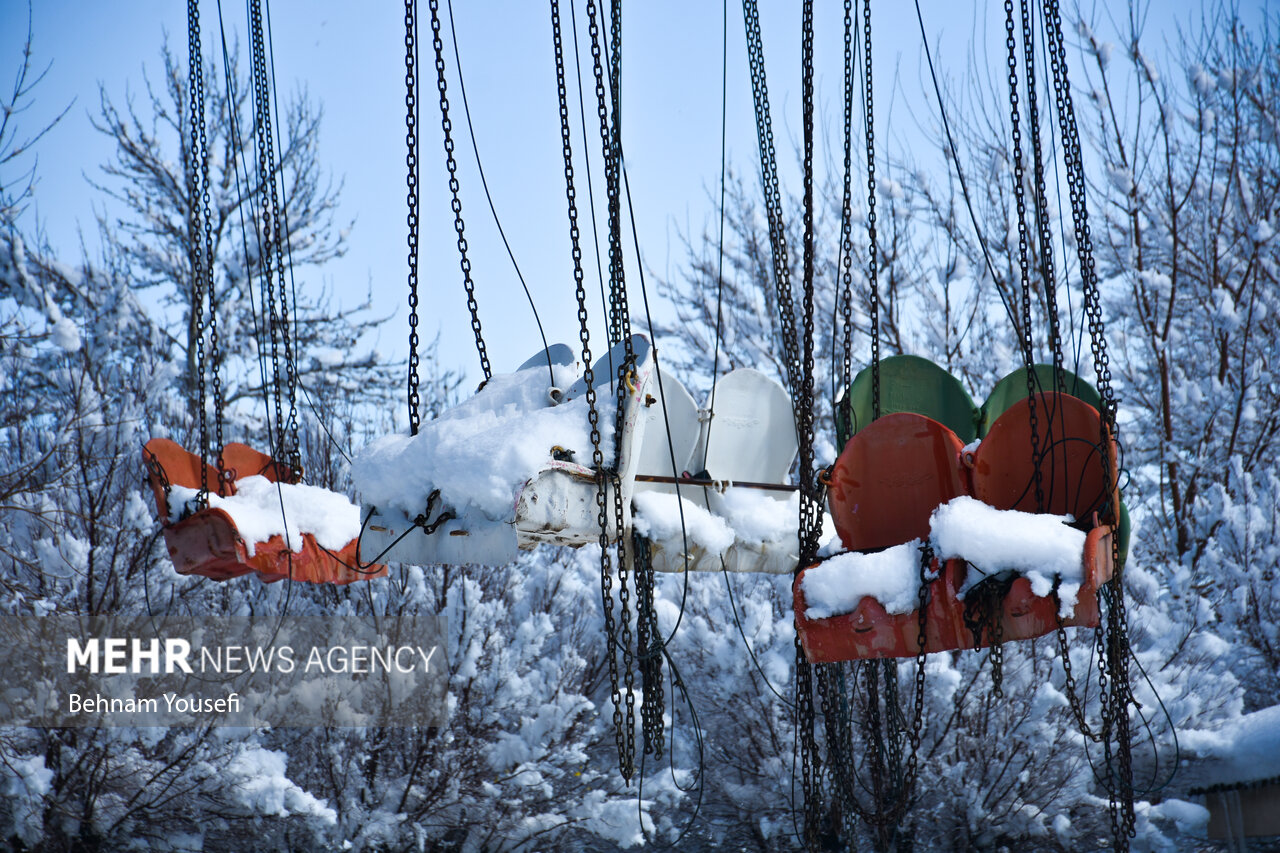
<point>908,383</point>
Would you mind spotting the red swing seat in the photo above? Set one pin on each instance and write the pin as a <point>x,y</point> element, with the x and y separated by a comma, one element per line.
<point>896,471</point>
<point>207,543</point>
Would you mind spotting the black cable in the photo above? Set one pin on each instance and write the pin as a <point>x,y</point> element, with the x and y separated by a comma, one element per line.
<point>955,157</point>
<point>453,36</point>
<point>586,154</point>
<point>724,112</point>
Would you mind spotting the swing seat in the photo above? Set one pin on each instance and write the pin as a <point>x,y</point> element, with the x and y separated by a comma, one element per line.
<point>911,384</point>
<point>556,506</point>
<point>869,631</point>
<point>750,437</point>
<point>890,478</point>
<point>208,543</point>
<point>1013,388</point>
<point>1068,432</point>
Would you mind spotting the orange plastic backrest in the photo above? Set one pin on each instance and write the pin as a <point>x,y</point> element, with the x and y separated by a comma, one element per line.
<point>1069,458</point>
<point>177,466</point>
<point>890,478</point>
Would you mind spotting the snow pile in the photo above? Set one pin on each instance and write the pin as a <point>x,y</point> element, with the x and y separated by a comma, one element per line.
<point>758,516</point>
<point>658,516</point>
<point>255,509</point>
<point>891,577</point>
<point>256,780</point>
<point>479,453</point>
<point>751,517</point>
<point>1244,750</point>
<point>1038,546</point>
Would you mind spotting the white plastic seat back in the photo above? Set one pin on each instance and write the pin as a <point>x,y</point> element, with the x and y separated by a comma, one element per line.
<point>674,408</point>
<point>605,369</point>
<point>561,355</point>
<point>751,436</point>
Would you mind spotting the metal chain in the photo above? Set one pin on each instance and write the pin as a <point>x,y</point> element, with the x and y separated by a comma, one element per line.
<point>456,201</point>
<point>846,212</point>
<point>273,194</point>
<point>411,181</point>
<point>1024,263</point>
<point>610,140</point>
<point>625,763</point>
<point>649,642</point>
<point>195,249</point>
<point>872,248</point>
<point>1112,643</point>
<point>1043,229</point>
<point>772,197</point>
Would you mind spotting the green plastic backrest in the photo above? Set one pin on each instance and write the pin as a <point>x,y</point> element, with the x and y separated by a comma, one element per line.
<point>1126,528</point>
<point>1013,388</point>
<point>908,383</point>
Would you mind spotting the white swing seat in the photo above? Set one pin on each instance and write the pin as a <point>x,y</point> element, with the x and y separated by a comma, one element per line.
<point>749,438</point>
<point>556,506</point>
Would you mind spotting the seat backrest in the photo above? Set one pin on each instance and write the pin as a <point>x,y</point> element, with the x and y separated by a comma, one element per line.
<point>556,354</point>
<point>911,384</point>
<point>751,434</point>
<point>890,478</point>
<point>673,407</point>
<point>1013,388</point>
<point>177,466</point>
<point>605,369</point>
<point>241,460</point>
<point>1069,446</point>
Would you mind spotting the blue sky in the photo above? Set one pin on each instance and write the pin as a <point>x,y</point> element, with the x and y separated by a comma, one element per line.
<point>349,57</point>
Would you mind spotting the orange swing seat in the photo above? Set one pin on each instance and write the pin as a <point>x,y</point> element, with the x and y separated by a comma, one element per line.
<point>208,543</point>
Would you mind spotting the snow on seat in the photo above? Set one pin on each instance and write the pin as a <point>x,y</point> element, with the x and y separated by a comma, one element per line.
<point>511,467</point>
<point>261,522</point>
<point>750,438</point>
<point>865,605</point>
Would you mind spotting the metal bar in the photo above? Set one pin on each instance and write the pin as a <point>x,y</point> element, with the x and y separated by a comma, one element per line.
<point>718,485</point>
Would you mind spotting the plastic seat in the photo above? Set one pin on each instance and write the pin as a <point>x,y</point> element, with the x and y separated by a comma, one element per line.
<point>1013,388</point>
<point>912,384</point>
<point>890,478</point>
<point>1069,444</point>
<point>751,435</point>
<point>207,543</point>
<point>556,506</point>
<point>870,632</point>
<point>668,407</point>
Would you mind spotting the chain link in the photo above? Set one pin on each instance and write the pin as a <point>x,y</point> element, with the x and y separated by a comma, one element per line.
<point>625,760</point>
<point>1112,642</point>
<point>411,182</point>
<point>196,256</point>
<point>772,198</point>
<point>455,203</point>
<point>872,248</point>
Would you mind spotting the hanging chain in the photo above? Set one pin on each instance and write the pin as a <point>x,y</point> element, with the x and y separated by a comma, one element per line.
<point>1112,643</point>
<point>626,760</point>
<point>1043,229</point>
<point>273,244</point>
<point>1024,263</point>
<point>649,641</point>
<point>620,324</point>
<point>456,201</point>
<point>411,181</point>
<point>846,216</point>
<point>195,248</point>
<point>872,248</point>
<point>772,197</point>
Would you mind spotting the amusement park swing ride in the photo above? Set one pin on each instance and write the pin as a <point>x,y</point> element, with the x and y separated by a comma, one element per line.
<point>948,525</point>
